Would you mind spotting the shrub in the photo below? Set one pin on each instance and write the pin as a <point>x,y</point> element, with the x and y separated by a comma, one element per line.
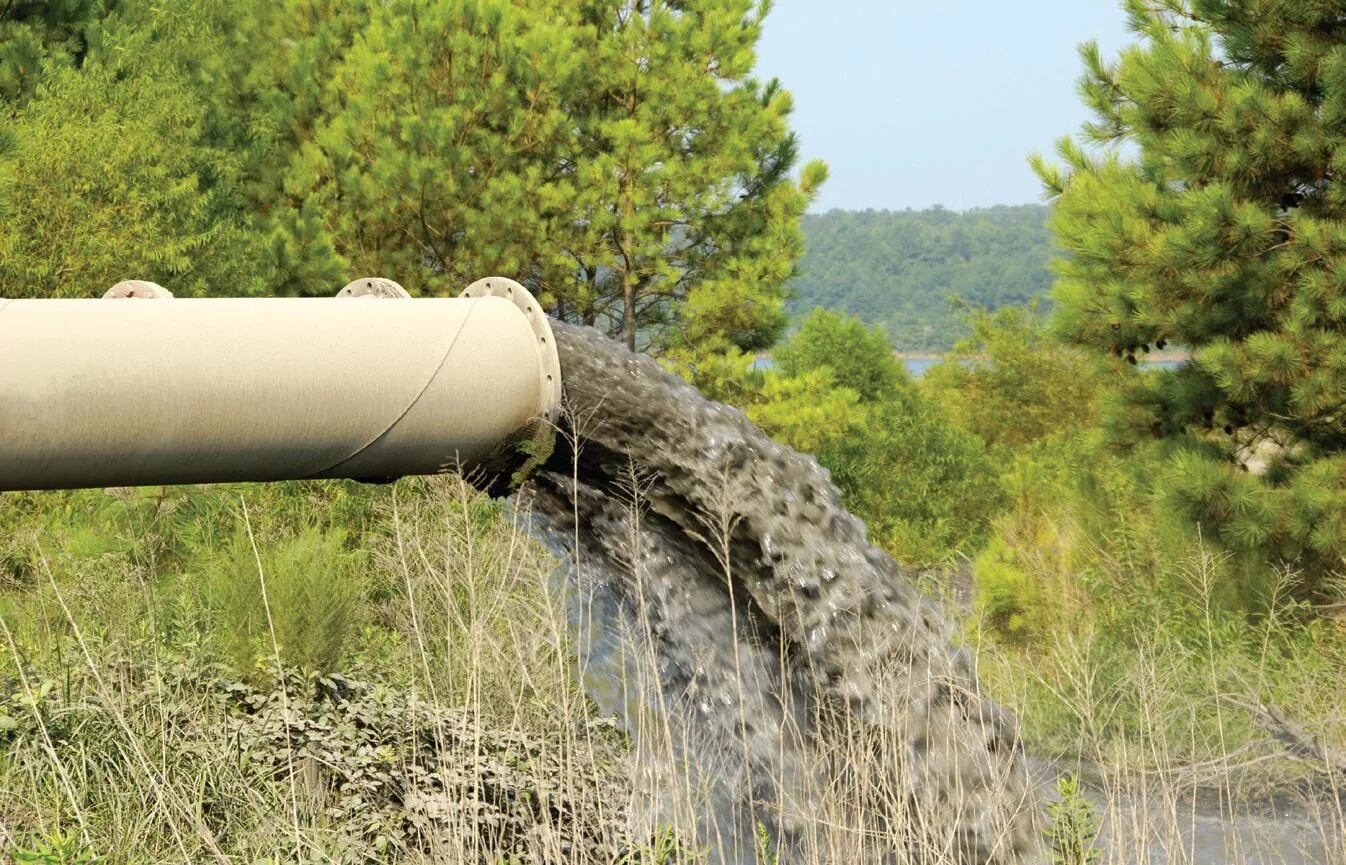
<point>1074,824</point>
<point>925,488</point>
<point>1012,384</point>
<point>305,592</point>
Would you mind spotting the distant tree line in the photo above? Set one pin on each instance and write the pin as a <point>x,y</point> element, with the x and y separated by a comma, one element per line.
<point>899,269</point>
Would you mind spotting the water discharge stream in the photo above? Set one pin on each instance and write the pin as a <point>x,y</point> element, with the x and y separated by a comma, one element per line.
<point>778,672</point>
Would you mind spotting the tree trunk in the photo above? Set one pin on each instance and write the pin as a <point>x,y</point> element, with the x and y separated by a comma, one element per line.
<point>629,312</point>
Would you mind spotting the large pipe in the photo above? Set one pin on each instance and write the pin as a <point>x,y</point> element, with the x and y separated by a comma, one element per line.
<point>148,390</point>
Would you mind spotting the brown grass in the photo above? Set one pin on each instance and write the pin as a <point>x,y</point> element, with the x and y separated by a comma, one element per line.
<point>125,748</point>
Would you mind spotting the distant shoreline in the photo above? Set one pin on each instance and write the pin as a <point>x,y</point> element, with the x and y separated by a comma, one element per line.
<point>1152,357</point>
<point>935,357</point>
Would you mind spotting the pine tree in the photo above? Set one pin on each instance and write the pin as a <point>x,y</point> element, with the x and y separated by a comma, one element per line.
<point>683,165</point>
<point>35,36</point>
<point>614,155</point>
<point>435,153</point>
<point>291,96</point>
<point>1222,227</point>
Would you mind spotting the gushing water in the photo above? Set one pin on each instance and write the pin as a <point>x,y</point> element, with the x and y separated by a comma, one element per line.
<point>782,677</point>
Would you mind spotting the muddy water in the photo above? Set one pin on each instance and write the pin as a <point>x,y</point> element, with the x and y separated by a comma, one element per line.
<point>778,670</point>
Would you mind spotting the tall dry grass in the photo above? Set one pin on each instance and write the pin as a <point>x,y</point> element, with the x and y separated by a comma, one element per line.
<point>457,719</point>
<point>1179,731</point>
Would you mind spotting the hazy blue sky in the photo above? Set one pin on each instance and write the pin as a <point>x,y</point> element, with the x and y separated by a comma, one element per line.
<point>917,103</point>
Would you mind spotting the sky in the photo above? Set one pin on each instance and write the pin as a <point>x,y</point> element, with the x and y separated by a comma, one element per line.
<point>914,103</point>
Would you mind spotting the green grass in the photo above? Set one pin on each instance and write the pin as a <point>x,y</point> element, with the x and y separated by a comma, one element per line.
<point>308,672</point>
<point>326,672</point>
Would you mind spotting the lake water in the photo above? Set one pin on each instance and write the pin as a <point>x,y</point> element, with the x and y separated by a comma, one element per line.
<point>917,366</point>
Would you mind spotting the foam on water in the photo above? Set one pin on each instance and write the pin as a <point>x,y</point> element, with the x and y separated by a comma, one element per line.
<point>799,679</point>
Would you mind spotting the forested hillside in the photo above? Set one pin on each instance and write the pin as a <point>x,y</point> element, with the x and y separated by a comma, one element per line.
<point>899,268</point>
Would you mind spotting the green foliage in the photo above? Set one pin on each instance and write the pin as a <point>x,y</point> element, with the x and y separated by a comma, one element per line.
<point>112,172</point>
<point>925,488</point>
<point>765,854</point>
<point>1044,565</point>
<point>1012,384</point>
<point>37,36</point>
<point>1113,626</point>
<point>1074,825</point>
<point>1224,234</point>
<point>281,147</point>
<point>458,140</point>
<point>900,268</point>
<point>433,127</point>
<point>1121,632</point>
<point>860,359</point>
<point>58,848</point>
<point>308,598</point>
<point>170,562</point>
<point>665,848</point>
<point>1011,598</point>
<point>1160,687</point>
<point>1086,537</point>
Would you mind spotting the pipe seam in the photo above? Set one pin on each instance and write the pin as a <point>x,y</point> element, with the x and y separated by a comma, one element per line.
<point>448,350</point>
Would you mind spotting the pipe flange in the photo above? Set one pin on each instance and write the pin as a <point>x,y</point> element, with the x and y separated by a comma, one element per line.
<point>499,286</point>
<point>137,288</point>
<point>372,286</point>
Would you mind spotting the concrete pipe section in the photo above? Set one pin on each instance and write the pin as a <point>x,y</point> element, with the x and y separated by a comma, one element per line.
<point>140,388</point>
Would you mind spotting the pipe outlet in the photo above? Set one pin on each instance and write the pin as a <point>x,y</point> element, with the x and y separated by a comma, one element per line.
<point>372,385</point>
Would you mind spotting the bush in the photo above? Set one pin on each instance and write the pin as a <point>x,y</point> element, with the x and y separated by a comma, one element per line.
<point>1074,825</point>
<point>925,488</point>
<point>1012,384</point>
<point>296,601</point>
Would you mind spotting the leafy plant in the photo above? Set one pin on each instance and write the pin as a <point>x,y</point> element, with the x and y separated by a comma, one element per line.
<point>766,848</point>
<point>57,848</point>
<point>665,848</point>
<point>1074,828</point>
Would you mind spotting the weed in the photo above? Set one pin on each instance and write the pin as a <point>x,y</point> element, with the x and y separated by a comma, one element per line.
<point>57,848</point>
<point>1073,824</point>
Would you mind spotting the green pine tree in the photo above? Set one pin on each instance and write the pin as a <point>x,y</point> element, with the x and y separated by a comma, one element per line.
<point>1223,228</point>
<point>36,36</point>
<point>683,163</point>
<point>617,157</point>
<point>434,156</point>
